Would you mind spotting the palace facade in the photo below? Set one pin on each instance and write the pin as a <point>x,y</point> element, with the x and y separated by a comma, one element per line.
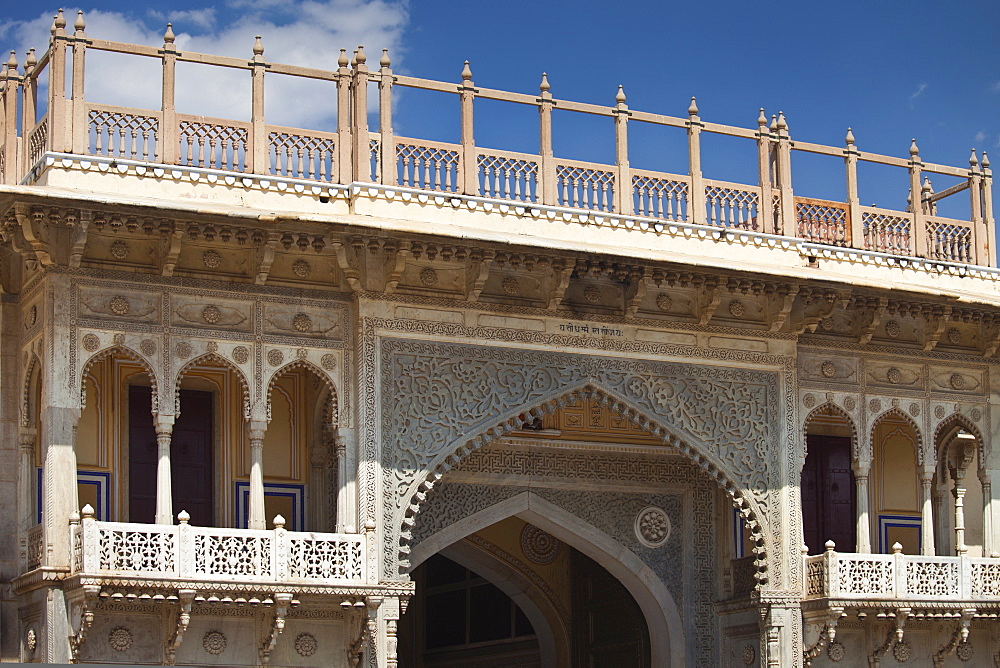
<point>279,396</point>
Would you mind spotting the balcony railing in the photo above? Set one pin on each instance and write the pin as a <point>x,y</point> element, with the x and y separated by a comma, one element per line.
<point>351,153</point>
<point>898,576</point>
<point>185,552</point>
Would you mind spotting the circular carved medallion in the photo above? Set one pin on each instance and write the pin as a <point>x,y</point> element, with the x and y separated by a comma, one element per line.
<point>241,354</point>
<point>214,642</point>
<point>915,409</point>
<point>119,305</point>
<point>954,336</point>
<point>301,353</point>
<point>305,644</point>
<point>183,350</point>
<point>957,381</point>
<point>91,342</point>
<point>736,308</point>
<point>828,369</point>
<point>211,314</point>
<point>809,400</point>
<point>892,329</point>
<point>510,285</point>
<point>663,301</point>
<point>428,276</point>
<point>592,294</point>
<point>749,655</point>
<point>850,403</point>
<point>902,651</point>
<point>119,249</point>
<point>147,347</point>
<point>539,546</point>
<point>835,651</point>
<point>275,357</point>
<point>976,415</point>
<point>939,412</point>
<point>120,639</point>
<point>31,640</point>
<point>302,322</point>
<point>826,324</point>
<point>212,347</point>
<point>652,526</point>
<point>894,375</point>
<point>301,268</point>
<point>211,258</point>
<point>328,362</point>
<point>964,650</point>
<point>875,405</point>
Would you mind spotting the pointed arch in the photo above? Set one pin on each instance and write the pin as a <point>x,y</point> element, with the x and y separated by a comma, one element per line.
<point>950,426</point>
<point>126,352</point>
<point>213,358</point>
<point>32,375</point>
<point>742,499</point>
<point>649,592</point>
<point>895,413</point>
<point>829,407</point>
<point>331,416</point>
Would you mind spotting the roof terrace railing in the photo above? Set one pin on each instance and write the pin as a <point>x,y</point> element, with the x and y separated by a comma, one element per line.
<point>354,153</point>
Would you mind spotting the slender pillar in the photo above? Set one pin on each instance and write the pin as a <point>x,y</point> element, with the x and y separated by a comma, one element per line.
<point>765,211</point>
<point>927,512</point>
<point>256,510</point>
<point>167,141</point>
<point>864,541</point>
<point>80,124</point>
<point>59,489</point>
<point>623,185</point>
<point>696,201</point>
<point>857,227</point>
<point>26,475</point>
<point>959,492</point>
<point>359,118</point>
<point>164,483</point>
<point>988,543</point>
<point>343,505</point>
<point>919,235</point>
<point>469,183</point>
<point>258,154</point>
<point>319,461</point>
<point>550,188</point>
<point>387,141</point>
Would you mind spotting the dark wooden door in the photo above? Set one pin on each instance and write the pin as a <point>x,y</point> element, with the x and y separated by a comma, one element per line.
<point>190,457</point>
<point>609,629</point>
<point>829,503</point>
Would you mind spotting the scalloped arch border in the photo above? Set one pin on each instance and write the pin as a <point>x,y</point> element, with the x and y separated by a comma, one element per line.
<point>332,404</point>
<point>222,361</point>
<point>126,352</point>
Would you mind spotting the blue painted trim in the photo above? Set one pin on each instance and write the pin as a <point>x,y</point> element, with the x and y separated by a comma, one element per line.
<point>296,492</point>
<point>100,479</point>
<point>885,522</point>
<point>738,534</point>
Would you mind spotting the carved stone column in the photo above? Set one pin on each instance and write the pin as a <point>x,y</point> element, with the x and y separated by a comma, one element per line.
<point>319,464</point>
<point>59,490</point>
<point>989,545</point>
<point>864,540</point>
<point>164,483</point>
<point>959,492</point>
<point>344,523</point>
<point>927,512</point>
<point>26,478</point>
<point>256,519</point>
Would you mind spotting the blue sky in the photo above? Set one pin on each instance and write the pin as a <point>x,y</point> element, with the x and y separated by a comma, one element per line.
<point>890,69</point>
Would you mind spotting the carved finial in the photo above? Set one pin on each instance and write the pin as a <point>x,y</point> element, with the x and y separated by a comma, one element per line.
<point>544,86</point>
<point>279,522</point>
<point>11,64</point>
<point>830,546</point>
<point>258,46</point>
<point>774,123</point>
<point>914,151</point>
<point>384,60</point>
<point>850,137</point>
<point>620,95</point>
<point>782,123</point>
<point>30,61</point>
<point>466,72</point>
<point>183,517</point>
<point>74,517</point>
<point>88,511</point>
<point>896,548</point>
<point>693,107</point>
<point>986,160</point>
<point>359,55</point>
<point>973,159</point>
<point>58,22</point>
<point>762,119</point>
<point>927,188</point>
<point>168,36</point>
<point>342,59</point>
<point>79,25</point>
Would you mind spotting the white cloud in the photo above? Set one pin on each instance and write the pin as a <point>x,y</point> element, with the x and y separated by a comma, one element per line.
<point>917,93</point>
<point>995,87</point>
<point>980,136</point>
<point>307,32</point>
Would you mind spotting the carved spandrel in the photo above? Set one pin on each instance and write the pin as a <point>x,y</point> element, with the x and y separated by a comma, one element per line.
<point>213,314</point>
<point>118,304</point>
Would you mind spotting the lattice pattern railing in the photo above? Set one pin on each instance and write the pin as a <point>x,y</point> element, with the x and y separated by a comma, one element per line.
<point>949,240</point>
<point>33,550</point>
<point>213,144</point>
<point>731,205</point>
<point>38,141</point>
<point>660,197</point>
<point>886,231</point>
<point>305,156</point>
<point>902,576</point>
<point>507,176</point>
<point>122,133</point>
<point>584,187</point>
<point>374,159</point>
<point>115,549</point>
<point>823,222</point>
<point>425,165</point>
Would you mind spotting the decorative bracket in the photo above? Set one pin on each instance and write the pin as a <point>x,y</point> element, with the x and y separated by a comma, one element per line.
<point>281,603</point>
<point>635,291</point>
<point>706,302</point>
<point>395,263</point>
<point>477,273</point>
<point>32,223</point>
<point>959,637</point>
<point>172,250</point>
<point>79,239</point>
<point>186,597</point>
<point>347,261</point>
<point>558,284</point>
<point>78,637</point>
<point>892,637</point>
<point>870,317</point>
<point>779,305</point>
<point>937,322</point>
<point>265,258</point>
<point>826,636</point>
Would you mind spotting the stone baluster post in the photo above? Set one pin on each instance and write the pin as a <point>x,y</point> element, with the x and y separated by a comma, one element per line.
<point>919,234</point>
<point>359,117</point>
<point>166,143</point>
<point>765,212</point>
<point>550,187</point>
<point>987,486</point>
<point>469,176</point>
<point>387,141</point>
<point>29,105</point>
<point>11,84</point>
<point>257,154</point>
<point>345,167</point>
<point>80,123</point>
<point>256,516</point>
<point>696,199</point>
<point>864,533</point>
<point>980,240</point>
<point>927,511</point>
<point>344,523</point>
<point>26,478</point>
<point>991,257</point>
<point>959,493</point>
<point>164,484</point>
<point>623,173</point>
<point>59,119</point>
<point>857,228</point>
<point>783,157</point>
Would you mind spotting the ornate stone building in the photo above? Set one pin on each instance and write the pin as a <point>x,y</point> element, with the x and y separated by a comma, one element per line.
<point>296,397</point>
